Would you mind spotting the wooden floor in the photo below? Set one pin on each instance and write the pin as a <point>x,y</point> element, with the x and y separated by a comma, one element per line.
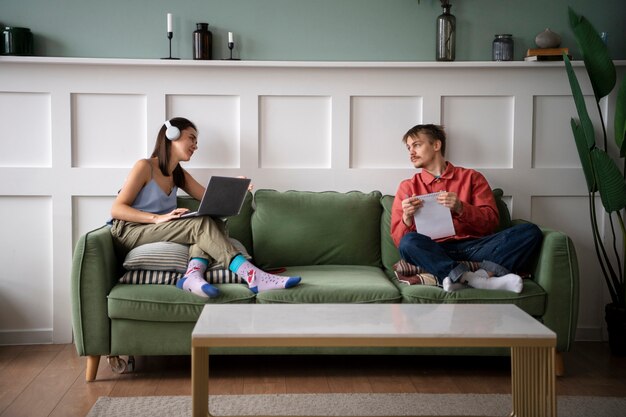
<point>49,380</point>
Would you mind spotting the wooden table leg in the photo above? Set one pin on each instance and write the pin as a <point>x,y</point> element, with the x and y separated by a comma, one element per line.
<point>559,365</point>
<point>533,382</point>
<point>200,381</point>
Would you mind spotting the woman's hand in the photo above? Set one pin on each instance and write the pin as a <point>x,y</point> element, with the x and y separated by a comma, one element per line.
<point>409,206</point>
<point>174,214</point>
<point>251,186</point>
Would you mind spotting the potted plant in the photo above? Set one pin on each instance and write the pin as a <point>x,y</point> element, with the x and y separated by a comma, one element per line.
<point>602,173</point>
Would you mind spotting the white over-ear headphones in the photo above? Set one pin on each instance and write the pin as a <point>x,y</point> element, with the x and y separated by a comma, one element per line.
<point>172,132</point>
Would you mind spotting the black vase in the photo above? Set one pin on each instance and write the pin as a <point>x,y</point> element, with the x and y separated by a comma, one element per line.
<point>202,41</point>
<point>615,317</point>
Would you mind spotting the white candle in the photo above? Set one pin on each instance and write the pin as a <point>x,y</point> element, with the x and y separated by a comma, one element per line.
<point>230,37</point>
<point>169,23</point>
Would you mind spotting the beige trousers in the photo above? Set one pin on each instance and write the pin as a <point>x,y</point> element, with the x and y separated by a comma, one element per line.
<point>206,237</point>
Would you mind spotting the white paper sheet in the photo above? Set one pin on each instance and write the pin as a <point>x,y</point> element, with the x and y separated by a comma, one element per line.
<point>433,219</point>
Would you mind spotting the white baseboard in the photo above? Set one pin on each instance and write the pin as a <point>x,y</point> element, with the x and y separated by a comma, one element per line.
<point>25,337</point>
<point>590,334</point>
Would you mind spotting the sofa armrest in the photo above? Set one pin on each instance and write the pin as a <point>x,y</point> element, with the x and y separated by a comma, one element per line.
<point>556,271</point>
<point>94,272</point>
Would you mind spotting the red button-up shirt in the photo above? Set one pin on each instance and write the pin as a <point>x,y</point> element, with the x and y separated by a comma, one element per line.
<point>479,216</point>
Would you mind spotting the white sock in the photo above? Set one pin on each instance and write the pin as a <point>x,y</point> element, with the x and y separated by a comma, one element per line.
<point>508,282</point>
<point>450,286</point>
<point>482,273</point>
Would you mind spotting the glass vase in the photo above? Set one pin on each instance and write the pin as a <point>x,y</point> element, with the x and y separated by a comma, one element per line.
<point>502,48</point>
<point>446,35</point>
<point>202,41</point>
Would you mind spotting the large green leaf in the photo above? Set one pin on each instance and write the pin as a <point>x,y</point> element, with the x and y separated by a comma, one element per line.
<point>598,62</point>
<point>581,107</point>
<point>610,182</point>
<point>620,119</point>
<point>585,156</point>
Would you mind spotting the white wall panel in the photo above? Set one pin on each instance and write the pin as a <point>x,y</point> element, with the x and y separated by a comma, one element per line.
<point>553,142</point>
<point>217,120</point>
<point>479,130</point>
<point>571,214</point>
<point>108,130</point>
<point>295,132</point>
<point>26,137</point>
<point>89,213</point>
<point>378,125</point>
<point>76,126</point>
<point>26,273</point>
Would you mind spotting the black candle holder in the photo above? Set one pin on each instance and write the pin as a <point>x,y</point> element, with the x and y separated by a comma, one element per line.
<point>231,45</point>
<point>170,35</point>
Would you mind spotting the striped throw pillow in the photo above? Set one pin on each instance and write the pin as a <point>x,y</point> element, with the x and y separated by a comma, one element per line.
<point>416,275</point>
<point>214,275</point>
<point>166,256</point>
<point>166,262</point>
<point>158,256</point>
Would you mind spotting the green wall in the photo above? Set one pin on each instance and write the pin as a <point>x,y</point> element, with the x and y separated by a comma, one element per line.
<point>303,30</point>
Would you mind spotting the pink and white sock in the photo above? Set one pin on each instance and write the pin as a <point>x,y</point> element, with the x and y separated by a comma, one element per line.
<point>259,280</point>
<point>194,281</point>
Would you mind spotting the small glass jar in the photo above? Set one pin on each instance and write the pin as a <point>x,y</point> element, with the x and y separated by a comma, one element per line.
<point>502,48</point>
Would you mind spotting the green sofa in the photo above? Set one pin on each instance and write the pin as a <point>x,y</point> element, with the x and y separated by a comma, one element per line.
<point>338,242</point>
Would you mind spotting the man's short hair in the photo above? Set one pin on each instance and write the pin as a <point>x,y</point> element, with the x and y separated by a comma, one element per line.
<point>433,132</point>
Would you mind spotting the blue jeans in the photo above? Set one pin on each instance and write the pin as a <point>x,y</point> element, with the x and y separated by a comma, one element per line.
<point>500,253</point>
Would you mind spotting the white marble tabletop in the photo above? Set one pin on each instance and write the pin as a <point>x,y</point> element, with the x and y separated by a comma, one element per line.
<point>384,321</point>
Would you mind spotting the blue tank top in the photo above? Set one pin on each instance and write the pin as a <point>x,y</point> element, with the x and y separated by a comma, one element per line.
<point>152,198</point>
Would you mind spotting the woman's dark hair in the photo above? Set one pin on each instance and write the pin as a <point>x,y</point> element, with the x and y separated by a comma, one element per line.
<point>162,150</point>
<point>434,132</point>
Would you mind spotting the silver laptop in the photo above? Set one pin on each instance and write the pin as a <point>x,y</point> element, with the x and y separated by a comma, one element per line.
<point>223,197</point>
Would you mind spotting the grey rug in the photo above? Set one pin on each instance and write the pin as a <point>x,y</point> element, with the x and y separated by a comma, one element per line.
<point>349,405</point>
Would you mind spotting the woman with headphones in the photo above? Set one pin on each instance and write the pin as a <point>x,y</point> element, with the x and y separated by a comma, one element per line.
<point>146,205</point>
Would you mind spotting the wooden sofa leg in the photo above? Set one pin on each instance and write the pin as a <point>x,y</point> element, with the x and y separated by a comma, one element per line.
<point>559,366</point>
<point>92,367</point>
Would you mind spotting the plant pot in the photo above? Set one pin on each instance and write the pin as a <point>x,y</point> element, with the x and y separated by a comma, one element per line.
<point>615,317</point>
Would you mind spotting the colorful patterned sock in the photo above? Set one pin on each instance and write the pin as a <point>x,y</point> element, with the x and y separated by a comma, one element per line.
<point>194,281</point>
<point>257,279</point>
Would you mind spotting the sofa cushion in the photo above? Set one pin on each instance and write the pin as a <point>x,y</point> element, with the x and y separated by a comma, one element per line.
<point>167,303</point>
<point>532,299</point>
<point>239,227</point>
<point>316,228</point>
<point>335,284</point>
<point>503,209</point>
<point>388,251</point>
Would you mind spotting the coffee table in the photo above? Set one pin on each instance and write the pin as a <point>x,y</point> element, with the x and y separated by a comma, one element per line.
<point>393,325</point>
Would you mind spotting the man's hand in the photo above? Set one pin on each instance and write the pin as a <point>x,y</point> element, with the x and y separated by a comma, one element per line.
<point>409,206</point>
<point>450,200</point>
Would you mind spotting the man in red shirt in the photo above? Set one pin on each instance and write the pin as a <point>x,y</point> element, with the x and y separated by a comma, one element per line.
<point>474,216</point>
